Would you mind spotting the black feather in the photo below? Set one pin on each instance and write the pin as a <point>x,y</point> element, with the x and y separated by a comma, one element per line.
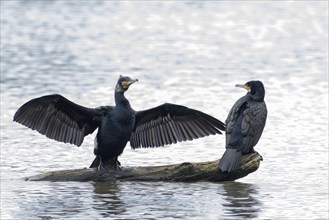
<point>60,119</point>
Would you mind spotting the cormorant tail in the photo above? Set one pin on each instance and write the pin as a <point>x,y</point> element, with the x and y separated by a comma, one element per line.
<point>95,163</point>
<point>230,160</point>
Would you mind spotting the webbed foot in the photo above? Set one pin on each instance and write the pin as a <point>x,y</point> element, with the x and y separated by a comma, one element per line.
<point>109,165</point>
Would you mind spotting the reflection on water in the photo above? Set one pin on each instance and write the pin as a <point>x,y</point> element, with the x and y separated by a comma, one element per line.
<point>241,200</point>
<point>48,200</point>
<point>106,199</point>
<point>188,53</point>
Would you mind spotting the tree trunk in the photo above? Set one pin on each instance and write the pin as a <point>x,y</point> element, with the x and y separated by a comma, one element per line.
<point>184,172</point>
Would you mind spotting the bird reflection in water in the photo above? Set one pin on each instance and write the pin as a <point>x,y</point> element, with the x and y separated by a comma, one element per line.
<point>240,200</point>
<point>106,200</point>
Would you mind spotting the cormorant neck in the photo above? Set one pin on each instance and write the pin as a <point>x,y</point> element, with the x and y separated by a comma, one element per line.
<point>120,99</point>
<point>258,96</point>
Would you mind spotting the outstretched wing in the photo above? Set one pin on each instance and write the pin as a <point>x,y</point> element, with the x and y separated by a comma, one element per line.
<point>253,123</point>
<point>170,123</point>
<point>60,119</point>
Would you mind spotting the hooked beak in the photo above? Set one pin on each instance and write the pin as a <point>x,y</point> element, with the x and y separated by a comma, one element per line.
<point>126,84</point>
<point>132,81</point>
<point>243,86</point>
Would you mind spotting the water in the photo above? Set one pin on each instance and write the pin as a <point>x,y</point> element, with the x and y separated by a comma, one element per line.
<point>189,53</point>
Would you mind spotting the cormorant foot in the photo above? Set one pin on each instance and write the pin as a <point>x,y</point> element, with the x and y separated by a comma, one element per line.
<point>250,152</point>
<point>253,151</point>
<point>109,165</point>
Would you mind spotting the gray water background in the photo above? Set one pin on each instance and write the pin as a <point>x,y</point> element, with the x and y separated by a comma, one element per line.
<point>189,53</point>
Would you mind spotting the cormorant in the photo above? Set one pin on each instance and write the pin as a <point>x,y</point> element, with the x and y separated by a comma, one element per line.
<point>60,119</point>
<point>244,125</point>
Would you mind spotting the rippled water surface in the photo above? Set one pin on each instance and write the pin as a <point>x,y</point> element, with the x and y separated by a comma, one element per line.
<point>189,53</point>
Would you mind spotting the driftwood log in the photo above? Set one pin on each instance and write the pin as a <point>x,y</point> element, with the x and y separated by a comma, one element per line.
<point>184,172</point>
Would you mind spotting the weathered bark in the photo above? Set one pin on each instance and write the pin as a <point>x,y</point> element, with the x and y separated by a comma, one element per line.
<point>184,172</point>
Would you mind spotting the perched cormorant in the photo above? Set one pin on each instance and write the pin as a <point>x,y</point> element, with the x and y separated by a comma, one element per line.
<point>244,125</point>
<point>62,120</point>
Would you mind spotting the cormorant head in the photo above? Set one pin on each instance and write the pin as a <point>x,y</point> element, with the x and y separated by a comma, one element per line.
<point>123,83</point>
<point>255,89</point>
